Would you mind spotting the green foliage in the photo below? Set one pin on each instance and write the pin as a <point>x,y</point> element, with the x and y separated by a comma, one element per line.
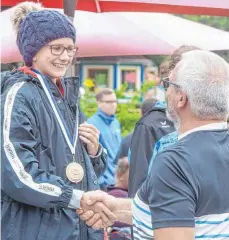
<point>128,111</point>
<point>147,85</point>
<point>128,114</point>
<point>88,103</point>
<point>213,21</point>
<point>157,59</point>
<point>120,93</point>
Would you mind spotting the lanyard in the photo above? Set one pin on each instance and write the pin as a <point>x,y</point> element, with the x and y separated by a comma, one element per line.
<point>71,144</point>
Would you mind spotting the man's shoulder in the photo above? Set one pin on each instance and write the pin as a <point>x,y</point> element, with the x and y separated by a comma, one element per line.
<point>183,154</point>
<point>155,118</point>
<point>155,122</point>
<point>188,149</point>
<point>94,118</point>
<point>173,155</point>
<point>117,123</point>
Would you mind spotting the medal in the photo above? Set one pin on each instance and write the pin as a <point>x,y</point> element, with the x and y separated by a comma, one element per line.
<point>74,172</point>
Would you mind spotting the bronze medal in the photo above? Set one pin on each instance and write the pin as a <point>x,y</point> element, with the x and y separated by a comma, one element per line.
<point>74,172</point>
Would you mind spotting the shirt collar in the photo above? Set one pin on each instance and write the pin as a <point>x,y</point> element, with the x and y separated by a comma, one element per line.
<point>106,118</point>
<point>211,126</point>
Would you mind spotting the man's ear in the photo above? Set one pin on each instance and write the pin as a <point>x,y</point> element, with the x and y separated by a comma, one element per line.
<point>183,100</point>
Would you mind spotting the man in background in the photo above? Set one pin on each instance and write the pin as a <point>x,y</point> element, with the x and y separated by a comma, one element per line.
<point>110,132</point>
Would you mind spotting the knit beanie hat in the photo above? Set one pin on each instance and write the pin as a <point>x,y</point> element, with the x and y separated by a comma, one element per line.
<point>36,27</point>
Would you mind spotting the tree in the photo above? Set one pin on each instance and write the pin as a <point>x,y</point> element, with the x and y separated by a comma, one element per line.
<point>213,21</point>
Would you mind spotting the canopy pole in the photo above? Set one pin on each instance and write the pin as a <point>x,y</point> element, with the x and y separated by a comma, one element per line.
<point>69,8</point>
<point>69,11</point>
<point>97,6</point>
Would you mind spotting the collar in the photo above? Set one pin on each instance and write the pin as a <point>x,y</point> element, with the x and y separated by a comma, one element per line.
<point>29,71</point>
<point>211,126</point>
<point>160,104</point>
<point>107,119</point>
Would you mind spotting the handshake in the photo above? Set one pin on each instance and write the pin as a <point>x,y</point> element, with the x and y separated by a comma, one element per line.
<point>98,209</point>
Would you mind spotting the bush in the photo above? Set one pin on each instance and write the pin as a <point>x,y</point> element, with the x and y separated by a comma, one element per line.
<point>128,111</point>
<point>127,116</point>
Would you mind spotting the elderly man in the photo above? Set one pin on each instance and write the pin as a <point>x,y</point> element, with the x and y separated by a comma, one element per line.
<point>153,132</point>
<point>186,193</point>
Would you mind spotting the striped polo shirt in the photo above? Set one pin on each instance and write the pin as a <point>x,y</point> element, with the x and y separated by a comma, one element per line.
<point>187,186</point>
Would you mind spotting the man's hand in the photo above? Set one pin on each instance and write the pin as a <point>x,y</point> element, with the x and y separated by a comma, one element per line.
<point>89,134</point>
<point>97,209</point>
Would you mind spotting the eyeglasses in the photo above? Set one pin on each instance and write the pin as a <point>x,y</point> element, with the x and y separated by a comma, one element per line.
<point>58,50</point>
<point>111,101</point>
<point>165,83</point>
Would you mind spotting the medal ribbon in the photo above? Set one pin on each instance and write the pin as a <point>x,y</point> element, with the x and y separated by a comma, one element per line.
<point>71,144</point>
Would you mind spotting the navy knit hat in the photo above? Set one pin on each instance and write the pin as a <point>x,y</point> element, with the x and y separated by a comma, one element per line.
<point>37,27</point>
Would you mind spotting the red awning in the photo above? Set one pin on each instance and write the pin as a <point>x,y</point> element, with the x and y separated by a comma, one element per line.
<point>196,7</point>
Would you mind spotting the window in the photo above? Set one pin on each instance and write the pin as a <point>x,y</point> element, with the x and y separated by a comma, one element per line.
<point>100,75</point>
<point>130,76</point>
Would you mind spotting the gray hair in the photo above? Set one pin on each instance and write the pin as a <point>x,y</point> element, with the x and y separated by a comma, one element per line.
<point>204,76</point>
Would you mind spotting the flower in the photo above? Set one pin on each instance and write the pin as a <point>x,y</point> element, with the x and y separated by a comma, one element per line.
<point>89,83</point>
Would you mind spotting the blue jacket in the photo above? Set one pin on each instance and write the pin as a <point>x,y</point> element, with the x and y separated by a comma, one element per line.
<point>35,191</point>
<point>110,138</point>
<point>166,141</point>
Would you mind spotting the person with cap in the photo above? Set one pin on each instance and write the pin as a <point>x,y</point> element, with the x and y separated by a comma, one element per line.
<point>50,155</point>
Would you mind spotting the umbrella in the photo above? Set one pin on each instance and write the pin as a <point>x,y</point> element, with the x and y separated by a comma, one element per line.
<point>115,34</point>
<point>198,7</point>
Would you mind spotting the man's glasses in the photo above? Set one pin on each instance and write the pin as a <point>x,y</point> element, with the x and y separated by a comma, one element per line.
<point>58,50</point>
<point>111,101</point>
<point>165,83</point>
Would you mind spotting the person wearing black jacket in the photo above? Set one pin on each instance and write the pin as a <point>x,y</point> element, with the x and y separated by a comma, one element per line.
<point>148,130</point>
<point>146,106</point>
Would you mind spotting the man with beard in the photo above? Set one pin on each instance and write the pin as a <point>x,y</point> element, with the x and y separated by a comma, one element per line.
<point>153,132</point>
<point>150,128</point>
<point>186,194</point>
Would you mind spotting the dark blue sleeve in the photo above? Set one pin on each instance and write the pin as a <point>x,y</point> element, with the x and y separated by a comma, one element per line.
<point>171,190</point>
<point>123,149</point>
<point>22,178</point>
<point>141,148</point>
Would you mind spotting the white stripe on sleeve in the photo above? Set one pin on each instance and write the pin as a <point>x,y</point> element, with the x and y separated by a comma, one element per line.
<point>11,154</point>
